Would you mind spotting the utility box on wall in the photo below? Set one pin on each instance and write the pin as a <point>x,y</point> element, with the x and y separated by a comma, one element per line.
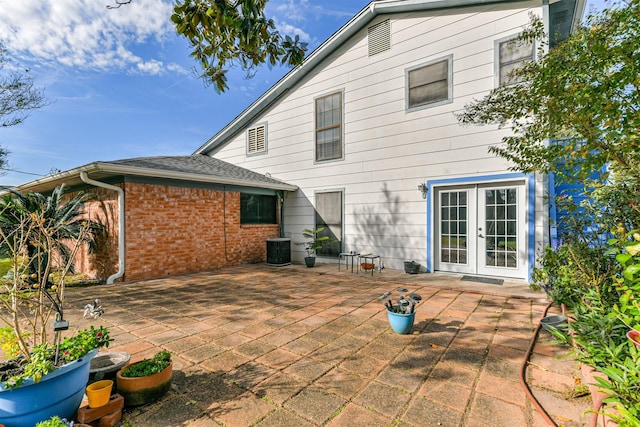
<point>279,251</point>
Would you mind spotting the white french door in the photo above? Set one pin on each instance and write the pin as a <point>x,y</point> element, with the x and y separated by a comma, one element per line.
<point>481,229</point>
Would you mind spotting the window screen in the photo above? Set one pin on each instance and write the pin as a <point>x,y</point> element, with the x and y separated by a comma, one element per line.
<point>329,216</point>
<point>329,127</point>
<point>429,84</point>
<point>258,209</point>
<point>511,55</point>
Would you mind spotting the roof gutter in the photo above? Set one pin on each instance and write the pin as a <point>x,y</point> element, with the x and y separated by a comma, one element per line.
<point>155,173</point>
<point>121,218</point>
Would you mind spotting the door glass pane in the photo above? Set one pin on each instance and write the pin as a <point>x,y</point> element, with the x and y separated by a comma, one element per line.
<point>329,216</point>
<point>453,227</point>
<point>501,225</point>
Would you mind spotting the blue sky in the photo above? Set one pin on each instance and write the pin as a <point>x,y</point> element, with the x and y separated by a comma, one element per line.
<point>121,82</point>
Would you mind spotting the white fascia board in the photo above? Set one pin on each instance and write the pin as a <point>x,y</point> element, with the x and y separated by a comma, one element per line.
<point>114,169</point>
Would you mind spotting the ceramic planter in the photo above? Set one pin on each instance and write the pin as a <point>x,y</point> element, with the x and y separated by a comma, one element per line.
<point>401,323</point>
<point>106,365</point>
<point>58,393</point>
<point>99,393</point>
<point>142,390</point>
<point>549,323</point>
<point>310,261</point>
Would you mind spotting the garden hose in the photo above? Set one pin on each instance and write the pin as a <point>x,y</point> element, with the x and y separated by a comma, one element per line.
<point>523,371</point>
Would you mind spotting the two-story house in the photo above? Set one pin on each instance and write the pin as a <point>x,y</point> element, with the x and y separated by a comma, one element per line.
<point>366,130</point>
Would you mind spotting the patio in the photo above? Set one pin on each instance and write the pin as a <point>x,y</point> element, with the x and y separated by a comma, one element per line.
<point>291,346</point>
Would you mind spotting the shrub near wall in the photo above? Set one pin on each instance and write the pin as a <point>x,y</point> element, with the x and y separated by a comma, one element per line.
<point>174,230</point>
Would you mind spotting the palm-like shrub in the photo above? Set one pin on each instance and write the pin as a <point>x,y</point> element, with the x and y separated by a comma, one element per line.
<point>40,234</point>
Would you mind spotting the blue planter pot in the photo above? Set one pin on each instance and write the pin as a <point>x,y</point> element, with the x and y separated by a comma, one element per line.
<point>58,393</point>
<point>401,323</point>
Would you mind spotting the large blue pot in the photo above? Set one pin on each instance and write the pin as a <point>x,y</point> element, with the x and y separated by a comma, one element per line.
<point>401,323</point>
<point>58,393</point>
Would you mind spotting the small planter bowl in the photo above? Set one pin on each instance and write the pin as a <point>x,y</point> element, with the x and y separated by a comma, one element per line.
<point>634,337</point>
<point>367,266</point>
<point>549,323</point>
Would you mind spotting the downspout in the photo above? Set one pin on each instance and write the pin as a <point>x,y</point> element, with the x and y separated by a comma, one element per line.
<point>120,191</point>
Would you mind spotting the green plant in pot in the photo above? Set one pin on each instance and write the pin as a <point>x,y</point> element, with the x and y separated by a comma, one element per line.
<point>46,373</point>
<point>145,381</point>
<point>315,242</point>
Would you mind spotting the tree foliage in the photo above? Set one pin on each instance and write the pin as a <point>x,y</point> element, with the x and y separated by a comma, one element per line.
<point>584,91</point>
<point>18,95</point>
<point>224,33</point>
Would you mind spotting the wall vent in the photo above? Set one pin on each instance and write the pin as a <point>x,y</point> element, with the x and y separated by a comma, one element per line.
<point>379,37</point>
<point>256,139</point>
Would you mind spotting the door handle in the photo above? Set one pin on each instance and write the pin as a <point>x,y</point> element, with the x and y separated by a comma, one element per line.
<point>481,236</point>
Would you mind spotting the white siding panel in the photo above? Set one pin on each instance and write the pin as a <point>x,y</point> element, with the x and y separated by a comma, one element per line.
<point>388,150</point>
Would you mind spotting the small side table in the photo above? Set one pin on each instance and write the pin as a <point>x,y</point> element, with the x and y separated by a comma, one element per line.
<point>371,258</point>
<point>346,256</point>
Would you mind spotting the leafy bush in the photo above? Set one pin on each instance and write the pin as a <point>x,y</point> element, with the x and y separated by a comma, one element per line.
<point>54,421</point>
<point>146,367</point>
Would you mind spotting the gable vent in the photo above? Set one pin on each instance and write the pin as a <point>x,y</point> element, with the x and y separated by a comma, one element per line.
<point>256,139</point>
<point>379,37</point>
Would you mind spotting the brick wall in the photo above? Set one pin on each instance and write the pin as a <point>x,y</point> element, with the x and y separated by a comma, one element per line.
<point>176,230</point>
<point>103,208</point>
<point>172,230</point>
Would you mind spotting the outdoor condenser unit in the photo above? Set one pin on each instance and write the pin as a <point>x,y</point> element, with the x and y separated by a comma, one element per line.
<point>279,251</point>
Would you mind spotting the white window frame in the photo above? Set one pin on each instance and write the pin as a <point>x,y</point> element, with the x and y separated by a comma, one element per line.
<point>498,65</point>
<point>449,99</point>
<point>248,138</point>
<point>315,127</point>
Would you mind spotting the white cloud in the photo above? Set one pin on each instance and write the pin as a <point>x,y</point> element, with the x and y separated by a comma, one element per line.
<point>301,10</point>
<point>84,33</point>
<point>293,11</point>
<point>291,30</point>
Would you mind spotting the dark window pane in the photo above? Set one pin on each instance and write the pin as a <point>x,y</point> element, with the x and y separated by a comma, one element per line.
<point>329,216</point>
<point>258,209</point>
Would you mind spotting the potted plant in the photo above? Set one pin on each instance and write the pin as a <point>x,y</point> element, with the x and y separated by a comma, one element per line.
<point>314,243</point>
<point>402,314</point>
<point>145,381</point>
<point>45,374</point>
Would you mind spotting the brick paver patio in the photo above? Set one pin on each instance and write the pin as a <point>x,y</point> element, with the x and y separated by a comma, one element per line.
<point>255,345</point>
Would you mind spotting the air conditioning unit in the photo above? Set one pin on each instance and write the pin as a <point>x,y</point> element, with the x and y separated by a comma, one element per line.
<point>279,251</point>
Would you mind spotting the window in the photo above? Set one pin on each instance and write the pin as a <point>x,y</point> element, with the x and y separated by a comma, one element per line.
<point>257,139</point>
<point>258,209</point>
<point>430,84</point>
<point>329,127</point>
<point>329,216</point>
<point>379,37</point>
<point>511,54</point>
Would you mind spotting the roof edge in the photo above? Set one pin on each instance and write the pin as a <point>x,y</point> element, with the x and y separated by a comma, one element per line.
<point>116,169</point>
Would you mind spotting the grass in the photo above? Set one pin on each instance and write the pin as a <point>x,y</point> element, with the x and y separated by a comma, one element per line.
<point>5,266</point>
<point>72,280</point>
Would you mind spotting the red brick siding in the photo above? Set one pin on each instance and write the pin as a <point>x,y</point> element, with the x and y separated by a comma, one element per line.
<point>176,230</point>
<point>103,208</point>
<point>173,230</point>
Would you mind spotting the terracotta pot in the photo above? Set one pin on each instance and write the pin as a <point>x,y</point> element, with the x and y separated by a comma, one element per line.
<point>142,390</point>
<point>99,393</point>
<point>367,266</point>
